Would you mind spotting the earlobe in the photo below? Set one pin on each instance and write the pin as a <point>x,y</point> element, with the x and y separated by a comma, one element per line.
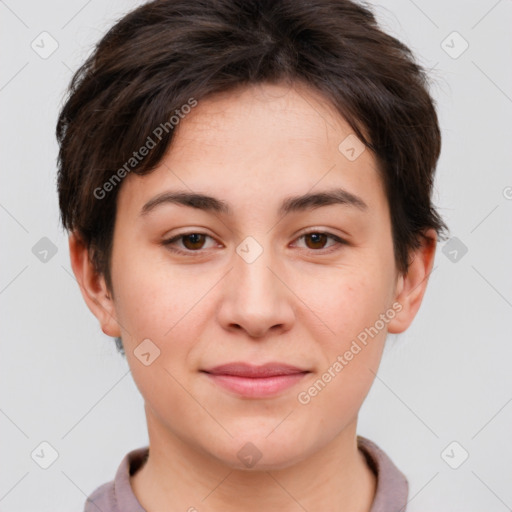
<point>412,286</point>
<point>93,287</point>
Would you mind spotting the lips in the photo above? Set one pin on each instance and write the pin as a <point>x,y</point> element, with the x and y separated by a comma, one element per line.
<point>250,381</point>
<point>240,369</point>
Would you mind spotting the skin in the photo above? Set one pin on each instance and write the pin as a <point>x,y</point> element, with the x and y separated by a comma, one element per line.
<point>296,303</point>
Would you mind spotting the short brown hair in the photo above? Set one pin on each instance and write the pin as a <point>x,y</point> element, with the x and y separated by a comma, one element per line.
<point>159,56</point>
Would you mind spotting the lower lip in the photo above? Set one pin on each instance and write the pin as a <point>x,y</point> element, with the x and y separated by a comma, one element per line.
<point>257,387</point>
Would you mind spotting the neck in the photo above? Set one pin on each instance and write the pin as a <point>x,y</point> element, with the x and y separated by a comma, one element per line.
<point>179,477</point>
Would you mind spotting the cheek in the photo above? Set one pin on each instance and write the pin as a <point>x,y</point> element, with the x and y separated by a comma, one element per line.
<point>161,305</point>
<point>354,334</point>
<point>347,301</point>
<point>350,356</point>
<point>153,298</point>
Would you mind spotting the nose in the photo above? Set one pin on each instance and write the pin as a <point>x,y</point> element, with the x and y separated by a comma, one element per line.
<point>256,298</point>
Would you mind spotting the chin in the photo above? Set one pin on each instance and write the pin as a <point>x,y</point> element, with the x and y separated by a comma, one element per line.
<point>263,452</point>
<point>268,461</point>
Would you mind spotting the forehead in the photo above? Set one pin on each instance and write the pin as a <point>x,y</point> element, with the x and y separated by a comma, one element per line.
<point>254,116</point>
<point>257,145</point>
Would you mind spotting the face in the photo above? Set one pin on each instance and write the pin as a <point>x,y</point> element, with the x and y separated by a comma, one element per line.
<point>260,279</point>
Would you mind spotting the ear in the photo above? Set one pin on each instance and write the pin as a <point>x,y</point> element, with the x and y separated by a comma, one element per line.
<point>411,287</point>
<point>93,287</point>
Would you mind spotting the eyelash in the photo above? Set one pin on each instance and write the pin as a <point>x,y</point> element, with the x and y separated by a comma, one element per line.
<point>168,243</point>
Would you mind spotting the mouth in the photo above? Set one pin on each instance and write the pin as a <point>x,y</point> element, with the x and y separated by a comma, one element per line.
<point>252,381</point>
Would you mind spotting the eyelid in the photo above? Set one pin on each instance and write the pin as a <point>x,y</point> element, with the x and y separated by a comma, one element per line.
<point>321,231</point>
<point>169,241</point>
<point>339,241</point>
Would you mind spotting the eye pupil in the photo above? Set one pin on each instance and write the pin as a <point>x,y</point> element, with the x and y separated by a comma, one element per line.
<point>194,237</point>
<point>317,238</point>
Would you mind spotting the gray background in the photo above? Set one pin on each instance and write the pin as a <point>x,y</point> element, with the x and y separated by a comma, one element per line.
<point>446,379</point>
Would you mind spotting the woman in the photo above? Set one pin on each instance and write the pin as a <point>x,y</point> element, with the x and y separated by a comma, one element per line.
<point>247,186</point>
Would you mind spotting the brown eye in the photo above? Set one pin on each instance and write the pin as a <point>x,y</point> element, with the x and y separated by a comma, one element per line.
<point>193,241</point>
<point>316,240</point>
<point>190,243</point>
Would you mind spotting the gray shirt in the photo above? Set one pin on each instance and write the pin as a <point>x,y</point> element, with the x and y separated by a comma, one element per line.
<point>117,495</point>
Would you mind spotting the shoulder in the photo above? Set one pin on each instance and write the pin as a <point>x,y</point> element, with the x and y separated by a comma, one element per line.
<point>102,498</point>
<point>117,495</point>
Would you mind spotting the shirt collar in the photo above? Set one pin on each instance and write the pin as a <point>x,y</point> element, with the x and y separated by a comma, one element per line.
<point>390,494</point>
<point>392,486</point>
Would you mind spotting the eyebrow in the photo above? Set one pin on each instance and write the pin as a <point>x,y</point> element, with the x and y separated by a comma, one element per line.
<point>303,202</point>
